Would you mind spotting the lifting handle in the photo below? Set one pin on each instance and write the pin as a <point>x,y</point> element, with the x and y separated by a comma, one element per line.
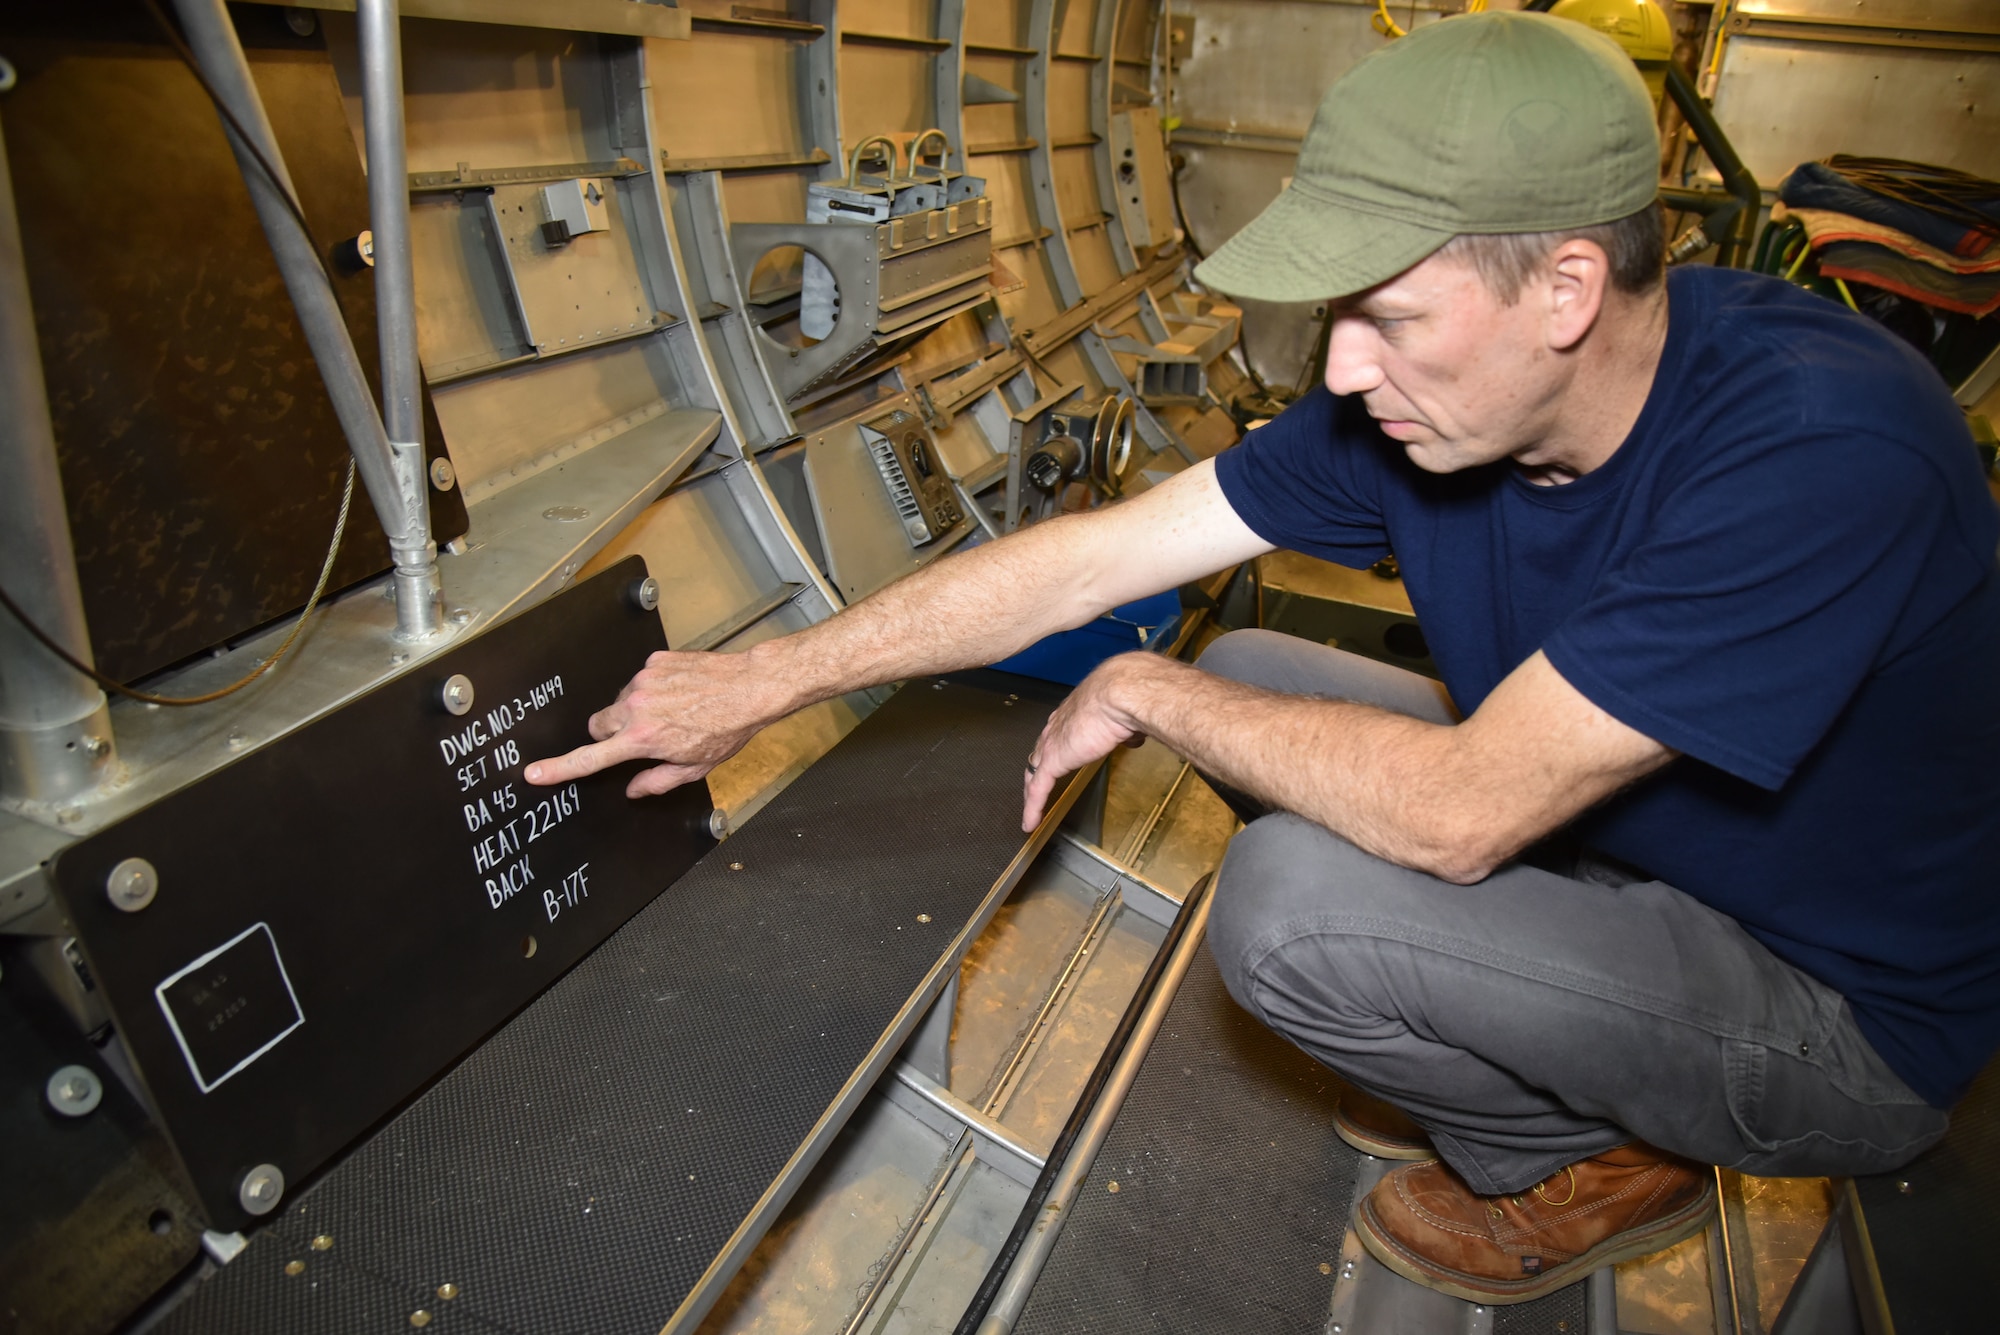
<point>887,153</point>
<point>943,150</point>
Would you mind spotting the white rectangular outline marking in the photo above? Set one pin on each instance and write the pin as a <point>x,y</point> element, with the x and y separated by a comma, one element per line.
<point>160,995</point>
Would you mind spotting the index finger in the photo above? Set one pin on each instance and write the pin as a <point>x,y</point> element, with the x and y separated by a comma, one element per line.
<point>1041,782</point>
<point>584,760</point>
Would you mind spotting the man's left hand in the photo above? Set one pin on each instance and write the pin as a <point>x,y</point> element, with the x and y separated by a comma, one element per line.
<point>1090,724</point>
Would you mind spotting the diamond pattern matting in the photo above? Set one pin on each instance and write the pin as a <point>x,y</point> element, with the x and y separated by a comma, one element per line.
<point>1233,1194</point>
<point>578,1172</point>
<point>1232,1188</point>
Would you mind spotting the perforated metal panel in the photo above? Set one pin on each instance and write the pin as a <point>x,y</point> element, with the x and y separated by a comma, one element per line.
<point>1232,1192</point>
<point>1232,1188</point>
<point>1936,1225</point>
<point>579,1170</point>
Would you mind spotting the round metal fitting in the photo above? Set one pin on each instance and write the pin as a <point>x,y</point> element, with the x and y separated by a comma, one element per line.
<point>1111,444</point>
<point>75,1091</point>
<point>718,823</point>
<point>456,695</point>
<point>301,22</point>
<point>132,885</point>
<point>646,593</point>
<point>443,476</point>
<point>261,1189</point>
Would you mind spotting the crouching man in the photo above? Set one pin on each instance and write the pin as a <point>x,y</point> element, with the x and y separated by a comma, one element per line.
<point>1709,571</point>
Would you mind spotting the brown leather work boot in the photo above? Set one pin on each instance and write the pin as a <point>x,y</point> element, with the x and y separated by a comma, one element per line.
<point>1376,1127</point>
<point>1425,1224</point>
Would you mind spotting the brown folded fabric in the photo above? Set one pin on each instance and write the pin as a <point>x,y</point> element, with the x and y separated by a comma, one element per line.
<point>1825,227</point>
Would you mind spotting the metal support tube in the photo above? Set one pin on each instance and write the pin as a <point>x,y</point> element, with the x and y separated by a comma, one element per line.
<point>401,504</point>
<point>381,45</point>
<point>1736,178</point>
<point>55,731</point>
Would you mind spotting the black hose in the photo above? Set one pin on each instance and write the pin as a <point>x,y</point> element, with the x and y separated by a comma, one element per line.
<point>996,1275</point>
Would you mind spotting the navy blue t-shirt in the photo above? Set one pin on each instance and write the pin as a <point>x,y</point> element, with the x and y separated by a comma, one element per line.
<point>1787,573</point>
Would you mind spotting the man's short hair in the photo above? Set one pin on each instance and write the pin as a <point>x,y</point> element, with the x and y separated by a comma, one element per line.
<point>1635,244</point>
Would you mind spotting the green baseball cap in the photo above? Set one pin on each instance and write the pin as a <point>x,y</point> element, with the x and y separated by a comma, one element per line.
<point>1483,123</point>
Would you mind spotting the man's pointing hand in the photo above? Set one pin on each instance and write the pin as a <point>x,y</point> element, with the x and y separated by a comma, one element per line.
<point>689,711</point>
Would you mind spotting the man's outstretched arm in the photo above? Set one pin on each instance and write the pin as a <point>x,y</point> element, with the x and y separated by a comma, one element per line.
<point>693,711</point>
<point>1454,801</point>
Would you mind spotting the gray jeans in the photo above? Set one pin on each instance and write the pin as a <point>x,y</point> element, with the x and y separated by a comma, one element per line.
<point>1534,1019</point>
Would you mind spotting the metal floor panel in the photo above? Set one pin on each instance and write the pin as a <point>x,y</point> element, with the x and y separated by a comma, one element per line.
<point>579,1171</point>
<point>1935,1224</point>
<point>1231,1188</point>
<point>1220,1203</point>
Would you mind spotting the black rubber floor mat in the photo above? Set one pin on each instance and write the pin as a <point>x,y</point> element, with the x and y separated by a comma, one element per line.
<point>580,1170</point>
<point>1936,1223</point>
<point>1218,1201</point>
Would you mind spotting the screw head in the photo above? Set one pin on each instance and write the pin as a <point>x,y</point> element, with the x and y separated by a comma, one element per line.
<point>132,885</point>
<point>447,1290</point>
<point>97,748</point>
<point>420,1317</point>
<point>295,1267</point>
<point>75,1091</point>
<point>261,1189</point>
<point>456,694</point>
<point>646,593</point>
<point>718,823</point>
<point>443,475</point>
<point>323,1243</point>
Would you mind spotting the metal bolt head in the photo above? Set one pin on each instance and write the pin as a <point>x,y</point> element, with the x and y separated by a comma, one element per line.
<point>132,885</point>
<point>923,917</point>
<point>718,823</point>
<point>456,695</point>
<point>1905,1187</point>
<point>75,1091</point>
<point>646,593</point>
<point>261,1189</point>
<point>443,475</point>
<point>295,1267</point>
<point>447,1290</point>
<point>97,748</point>
<point>420,1317</point>
<point>323,1243</point>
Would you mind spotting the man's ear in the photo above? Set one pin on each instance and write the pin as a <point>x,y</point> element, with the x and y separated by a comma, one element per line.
<point>1573,288</point>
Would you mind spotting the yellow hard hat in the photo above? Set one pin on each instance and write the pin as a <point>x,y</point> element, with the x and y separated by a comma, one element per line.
<point>1639,26</point>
